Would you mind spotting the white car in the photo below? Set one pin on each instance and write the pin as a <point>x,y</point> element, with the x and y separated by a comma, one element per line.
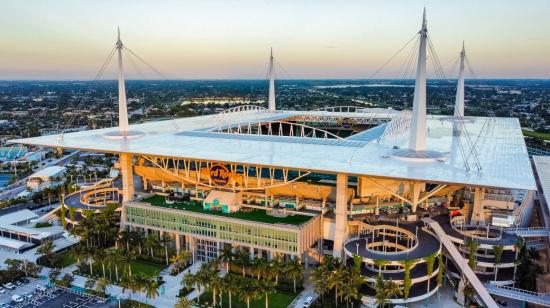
<point>308,301</point>
<point>9,286</point>
<point>16,298</point>
<point>41,288</point>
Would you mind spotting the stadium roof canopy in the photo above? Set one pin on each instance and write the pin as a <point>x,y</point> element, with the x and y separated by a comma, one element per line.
<point>500,147</point>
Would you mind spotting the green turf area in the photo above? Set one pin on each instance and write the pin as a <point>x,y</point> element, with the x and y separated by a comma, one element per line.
<point>254,215</point>
<point>276,300</point>
<point>147,268</point>
<point>67,258</point>
<point>540,135</point>
<point>43,225</point>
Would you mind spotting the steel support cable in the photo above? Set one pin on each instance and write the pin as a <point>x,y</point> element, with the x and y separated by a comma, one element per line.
<point>409,74</point>
<point>405,69</point>
<point>96,78</point>
<point>393,56</point>
<point>146,63</point>
<point>436,62</point>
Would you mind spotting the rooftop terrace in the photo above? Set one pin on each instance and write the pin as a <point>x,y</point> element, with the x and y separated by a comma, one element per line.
<point>256,215</point>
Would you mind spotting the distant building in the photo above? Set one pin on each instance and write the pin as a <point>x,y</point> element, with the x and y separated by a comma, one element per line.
<point>46,178</point>
<point>18,231</point>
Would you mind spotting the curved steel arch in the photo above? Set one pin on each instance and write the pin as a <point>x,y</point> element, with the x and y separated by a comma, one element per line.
<point>257,128</point>
<point>244,108</point>
<point>193,176</point>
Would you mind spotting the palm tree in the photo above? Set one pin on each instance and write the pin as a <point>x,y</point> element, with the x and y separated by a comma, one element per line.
<point>276,267</point>
<point>150,243</point>
<point>101,285</point>
<point>230,284</point>
<point>47,250</point>
<point>90,254</point>
<point>385,289</point>
<point>226,256</point>
<point>164,240</point>
<point>151,288</point>
<point>294,270</point>
<point>183,302</point>
<point>243,258</point>
<point>497,252</point>
<point>249,290</point>
<point>260,267</point>
<point>337,281</point>
<point>319,276</point>
<point>115,258</point>
<point>101,257</point>
<point>77,252</point>
<point>267,286</point>
<point>189,281</point>
<point>351,292</point>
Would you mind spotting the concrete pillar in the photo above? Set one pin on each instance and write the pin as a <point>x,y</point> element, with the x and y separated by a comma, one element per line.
<point>477,210</point>
<point>251,253</point>
<point>127,177</point>
<point>341,215</point>
<point>178,242</point>
<point>416,188</point>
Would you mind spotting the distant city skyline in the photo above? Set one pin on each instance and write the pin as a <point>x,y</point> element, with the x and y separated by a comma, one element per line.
<point>59,40</point>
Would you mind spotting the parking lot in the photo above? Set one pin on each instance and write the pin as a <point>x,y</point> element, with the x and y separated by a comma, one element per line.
<point>48,297</point>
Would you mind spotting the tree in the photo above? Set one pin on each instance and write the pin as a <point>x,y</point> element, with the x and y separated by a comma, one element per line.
<point>276,266</point>
<point>243,258</point>
<point>250,290</point>
<point>101,256</point>
<point>47,251</point>
<point>230,285</point>
<point>150,243</point>
<point>165,240</point>
<point>267,286</point>
<point>67,280</point>
<point>385,289</point>
<point>497,252</point>
<point>54,273</point>
<point>472,250</point>
<point>226,256</point>
<point>151,289</point>
<point>441,269</point>
<point>183,302</point>
<point>294,270</point>
<point>189,281</point>
<point>101,285</point>
<point>337,280</point>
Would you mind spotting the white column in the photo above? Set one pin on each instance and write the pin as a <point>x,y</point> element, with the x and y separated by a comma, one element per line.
<point>340,230</point>
<point>459,100</point>
<point>178,242</point>
<point>417,139</point>
<point>127,177</point>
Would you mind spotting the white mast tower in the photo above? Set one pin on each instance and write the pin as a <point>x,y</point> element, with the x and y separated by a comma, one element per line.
<point>271,98</point>
<point>417,138</point>
<point>417,150</point>
<point>123,128</point>
<point>459,101</point>
<point>122,107</point>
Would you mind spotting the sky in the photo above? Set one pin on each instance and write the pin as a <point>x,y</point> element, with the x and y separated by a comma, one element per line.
<point>228,39</point>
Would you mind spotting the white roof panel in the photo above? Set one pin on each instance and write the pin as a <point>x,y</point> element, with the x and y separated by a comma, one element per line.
<point>500,146</point>
<point>542,164</point>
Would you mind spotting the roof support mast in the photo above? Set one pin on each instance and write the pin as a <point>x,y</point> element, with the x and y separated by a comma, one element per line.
<point>122,107</point>
<point>459,101</point>
<point>271,101</point>
<point>417,140</point>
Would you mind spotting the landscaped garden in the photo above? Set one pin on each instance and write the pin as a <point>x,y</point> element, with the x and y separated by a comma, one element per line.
<point>252,215</point>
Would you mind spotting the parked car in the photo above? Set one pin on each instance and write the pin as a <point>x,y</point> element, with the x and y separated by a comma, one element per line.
<point>18,283</point>
<point>40,288</point>
<point>29,295</point>
<point>9,286</point>
<point>16,298</point>
<point>308,301</point>
<point>24,280</point>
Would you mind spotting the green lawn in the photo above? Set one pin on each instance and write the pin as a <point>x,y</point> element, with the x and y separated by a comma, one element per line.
<point>276,300</point>
<point>254,215</point>
<point>67,258</point>
<point>534,134</point>
<point>138,266</point>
